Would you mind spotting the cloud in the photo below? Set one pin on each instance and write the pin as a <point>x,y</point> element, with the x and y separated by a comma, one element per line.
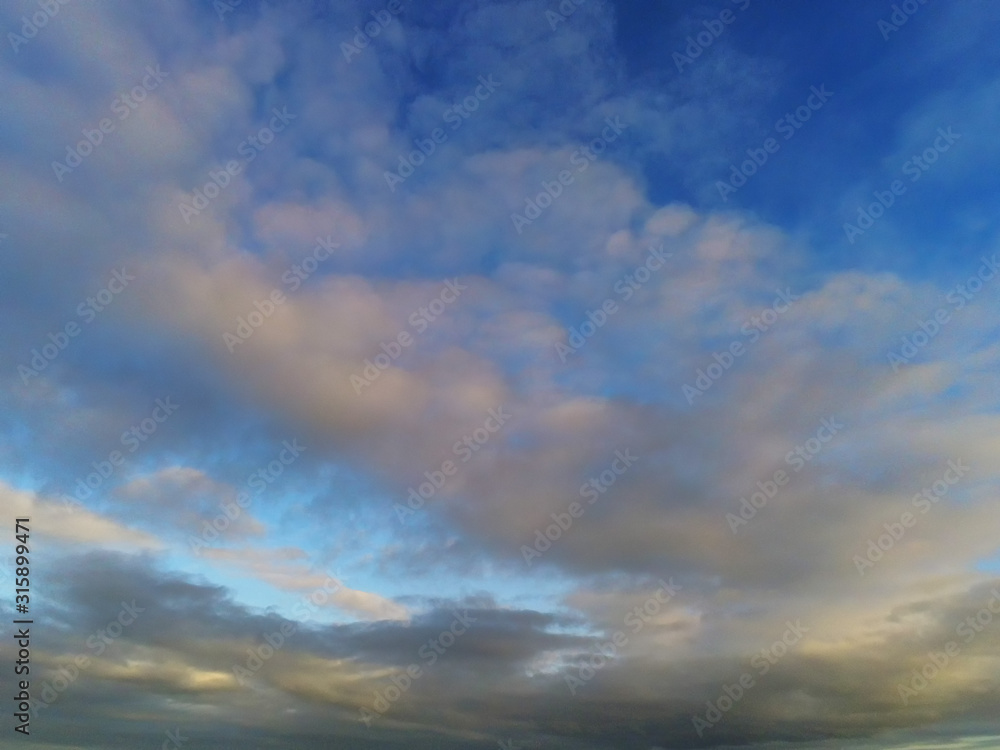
<point>278,568</point>
<point>69,523</point>
<point>814,324</point>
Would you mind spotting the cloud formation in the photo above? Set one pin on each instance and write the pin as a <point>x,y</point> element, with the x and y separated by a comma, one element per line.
<point>303,348</point>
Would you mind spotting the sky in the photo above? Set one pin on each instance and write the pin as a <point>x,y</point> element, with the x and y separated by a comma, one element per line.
<point>500,374</point>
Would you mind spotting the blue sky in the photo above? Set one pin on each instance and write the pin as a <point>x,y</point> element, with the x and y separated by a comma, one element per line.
<point>515,327</point>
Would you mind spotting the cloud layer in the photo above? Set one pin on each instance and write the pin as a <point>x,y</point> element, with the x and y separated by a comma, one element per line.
<point>401,375</point>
